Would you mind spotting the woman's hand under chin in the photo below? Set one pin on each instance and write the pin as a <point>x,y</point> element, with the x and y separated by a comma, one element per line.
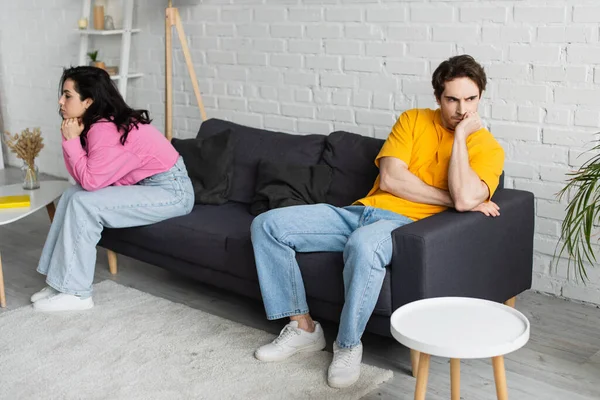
<point>71,128</point>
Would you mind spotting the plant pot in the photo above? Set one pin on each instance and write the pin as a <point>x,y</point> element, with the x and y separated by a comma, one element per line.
<point>99,64</point>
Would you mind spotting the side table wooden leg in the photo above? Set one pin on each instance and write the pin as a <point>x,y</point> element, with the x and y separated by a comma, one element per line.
<point>511,302</point>
<point>422,376</point>
<point>455,378</point>
<point>112,261</point>
<point>2,295</point>
<point>51,210</point>
<point>414,360</point>
<point>500,377</point>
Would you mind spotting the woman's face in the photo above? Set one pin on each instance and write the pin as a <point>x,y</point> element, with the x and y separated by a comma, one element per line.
<point>70,103</point>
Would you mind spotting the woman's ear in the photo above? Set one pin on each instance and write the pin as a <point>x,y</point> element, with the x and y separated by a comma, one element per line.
<point>87,103</point>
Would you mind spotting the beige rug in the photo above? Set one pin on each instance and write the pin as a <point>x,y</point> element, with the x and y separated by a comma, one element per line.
<point>133,345</point>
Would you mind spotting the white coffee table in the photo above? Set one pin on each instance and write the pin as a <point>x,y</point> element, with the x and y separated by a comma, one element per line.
<point>460,327</point>
<point>42,197</point>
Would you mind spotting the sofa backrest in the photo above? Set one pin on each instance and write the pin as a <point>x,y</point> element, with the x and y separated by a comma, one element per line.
<point>252,145</point>
<point>352,158</point>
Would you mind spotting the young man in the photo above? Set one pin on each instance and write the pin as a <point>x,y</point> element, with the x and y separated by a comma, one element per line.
<point>431,161</point>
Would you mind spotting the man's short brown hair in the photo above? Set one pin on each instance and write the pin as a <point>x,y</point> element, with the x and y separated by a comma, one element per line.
<point>463,66</point>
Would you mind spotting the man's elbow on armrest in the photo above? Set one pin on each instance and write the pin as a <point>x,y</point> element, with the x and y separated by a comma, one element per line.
<point>464,205</point>
<point>467,200</point>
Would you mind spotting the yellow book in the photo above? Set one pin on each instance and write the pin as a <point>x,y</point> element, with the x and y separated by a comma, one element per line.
<point>15,201</point>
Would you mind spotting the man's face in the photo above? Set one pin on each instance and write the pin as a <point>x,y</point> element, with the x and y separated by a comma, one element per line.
<point>461,95</point>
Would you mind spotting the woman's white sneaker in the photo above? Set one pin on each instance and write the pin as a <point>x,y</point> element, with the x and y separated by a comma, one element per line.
<point>344,370</point>
<point>44,293</point>
<point>292,340</point>
<point>63,302</point>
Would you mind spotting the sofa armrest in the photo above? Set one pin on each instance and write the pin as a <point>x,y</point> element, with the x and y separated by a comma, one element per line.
<point>466,254</point>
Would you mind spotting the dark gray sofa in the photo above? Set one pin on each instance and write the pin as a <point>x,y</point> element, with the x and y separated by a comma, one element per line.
<point>448,254</point>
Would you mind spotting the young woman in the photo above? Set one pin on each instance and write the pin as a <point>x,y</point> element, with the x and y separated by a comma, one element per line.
<point>128,174</point>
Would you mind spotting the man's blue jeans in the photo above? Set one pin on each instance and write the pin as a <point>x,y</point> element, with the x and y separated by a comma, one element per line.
<point>363,234</point>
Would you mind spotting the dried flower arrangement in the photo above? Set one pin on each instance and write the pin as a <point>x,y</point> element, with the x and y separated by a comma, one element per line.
<point>27,145</point>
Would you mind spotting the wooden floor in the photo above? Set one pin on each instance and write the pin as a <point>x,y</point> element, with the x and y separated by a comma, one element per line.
<point>561,360</point>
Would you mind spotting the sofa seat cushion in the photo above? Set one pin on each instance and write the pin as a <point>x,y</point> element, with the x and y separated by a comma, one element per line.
<point>199,237</point>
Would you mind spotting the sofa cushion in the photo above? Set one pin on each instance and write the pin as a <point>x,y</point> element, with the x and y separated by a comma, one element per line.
<point>283,185</point>
<point>209,163</point>
<point>199,237</point>
<point>352,158</point>
<point>251,145</point>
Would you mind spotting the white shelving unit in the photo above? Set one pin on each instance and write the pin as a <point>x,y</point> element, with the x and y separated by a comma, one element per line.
<point>126,31</point>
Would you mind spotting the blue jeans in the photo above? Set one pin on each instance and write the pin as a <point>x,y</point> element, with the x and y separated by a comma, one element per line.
<point>69,256</point>
<point>363,234</point>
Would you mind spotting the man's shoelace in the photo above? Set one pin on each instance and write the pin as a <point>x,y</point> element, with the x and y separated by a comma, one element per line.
<point>344,357</point>
<point>286,334</point>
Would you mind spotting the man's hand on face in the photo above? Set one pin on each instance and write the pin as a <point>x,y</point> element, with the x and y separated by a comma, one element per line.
<point>470,123</point>
<point>489,208</point>
<point>71,128</point>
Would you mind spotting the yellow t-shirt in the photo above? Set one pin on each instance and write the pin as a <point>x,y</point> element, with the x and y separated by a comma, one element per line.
<point>419,139</point>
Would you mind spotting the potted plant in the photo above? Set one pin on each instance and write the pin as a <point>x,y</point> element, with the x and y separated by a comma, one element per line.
<point>583,213</point>
<point>93,55</point>
<point>27,146</point>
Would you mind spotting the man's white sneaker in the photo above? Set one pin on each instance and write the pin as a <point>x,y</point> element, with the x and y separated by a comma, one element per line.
<point>344,370</point>
<point>44,293</point>
<point>63,302</point>
<point>292,340</point>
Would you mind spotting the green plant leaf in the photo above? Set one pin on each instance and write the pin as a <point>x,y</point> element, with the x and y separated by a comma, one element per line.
<point>581,213</point>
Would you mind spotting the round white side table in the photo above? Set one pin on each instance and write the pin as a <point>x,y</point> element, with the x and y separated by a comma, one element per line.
<point>40,198</point>
<point>459,327</point>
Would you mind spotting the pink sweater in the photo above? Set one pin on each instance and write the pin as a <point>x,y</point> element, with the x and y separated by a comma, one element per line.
<point>107,162</point>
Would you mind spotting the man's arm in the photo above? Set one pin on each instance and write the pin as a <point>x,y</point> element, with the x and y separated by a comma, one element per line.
<point>395,178</point>
<point>466,187</point>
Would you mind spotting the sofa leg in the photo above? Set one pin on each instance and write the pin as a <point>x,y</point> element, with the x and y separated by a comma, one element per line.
<point>414,360</point>
<point>511,302</point>
<point>112,261</point>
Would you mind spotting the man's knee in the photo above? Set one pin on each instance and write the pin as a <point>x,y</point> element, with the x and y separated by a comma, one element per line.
<point>259,224</point>
<point>268,222</point>
<point>367,245</point>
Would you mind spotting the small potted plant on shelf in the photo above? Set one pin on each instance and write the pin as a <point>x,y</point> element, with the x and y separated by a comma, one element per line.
<point>93,55</point>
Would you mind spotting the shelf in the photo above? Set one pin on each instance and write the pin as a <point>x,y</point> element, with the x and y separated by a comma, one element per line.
<point>129,76</point>
<point>103,32</point>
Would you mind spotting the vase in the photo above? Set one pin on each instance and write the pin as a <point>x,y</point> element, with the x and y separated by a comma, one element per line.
<point>30,177</point>
<point>99,17</point>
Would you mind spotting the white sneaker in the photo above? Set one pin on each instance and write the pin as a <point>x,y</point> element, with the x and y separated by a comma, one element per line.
<point>292,340</point>
<point>344,370</point>
<point>63,302</point>
<point>44,293</point>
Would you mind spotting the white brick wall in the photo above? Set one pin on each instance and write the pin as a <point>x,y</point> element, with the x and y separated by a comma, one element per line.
<point>32,55</point>
<point>305,66</point>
